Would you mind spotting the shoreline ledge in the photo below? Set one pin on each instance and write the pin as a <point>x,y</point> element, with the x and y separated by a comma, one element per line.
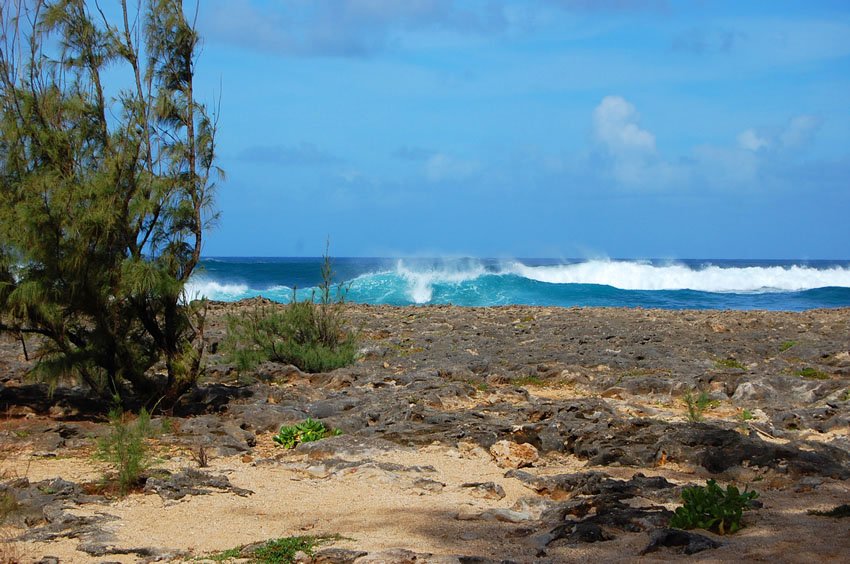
<point>518,433</point>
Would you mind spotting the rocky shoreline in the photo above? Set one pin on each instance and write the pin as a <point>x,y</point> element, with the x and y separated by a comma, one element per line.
<point>579,414</point>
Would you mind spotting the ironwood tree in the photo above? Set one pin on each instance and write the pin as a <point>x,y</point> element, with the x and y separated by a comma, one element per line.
<point>107,170</point>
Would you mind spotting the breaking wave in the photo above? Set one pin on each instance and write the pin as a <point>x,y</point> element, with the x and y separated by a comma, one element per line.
<point>472,282</point>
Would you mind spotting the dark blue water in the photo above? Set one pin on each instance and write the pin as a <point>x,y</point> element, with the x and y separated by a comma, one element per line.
<point>686,284</point>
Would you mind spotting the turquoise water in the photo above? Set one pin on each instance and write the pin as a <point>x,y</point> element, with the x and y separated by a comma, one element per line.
<point>687,284</point>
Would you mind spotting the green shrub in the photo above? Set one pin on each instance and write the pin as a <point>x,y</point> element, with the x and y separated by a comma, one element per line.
<point>712,508</point>
<point>728,363</point>
<point>8,504</point>
<point>810,373</point>
<point>277,551</point>
<point>786,345</point>
<point>309,334</point>
<point>528,381</point>
<point>125,448</point>
<point>282,551</point>
<point>697,405</point>
<point>307,431</point>
<point>105,192</point>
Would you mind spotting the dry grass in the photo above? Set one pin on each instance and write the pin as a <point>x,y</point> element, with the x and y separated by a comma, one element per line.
<point>11,552</point>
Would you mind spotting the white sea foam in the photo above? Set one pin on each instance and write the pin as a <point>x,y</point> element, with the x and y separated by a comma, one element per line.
<point>644,276</point>
<point>210,289</point>
<point>420,281</point>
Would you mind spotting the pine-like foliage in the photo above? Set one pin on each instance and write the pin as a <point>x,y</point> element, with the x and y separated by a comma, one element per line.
<point>105,191</point>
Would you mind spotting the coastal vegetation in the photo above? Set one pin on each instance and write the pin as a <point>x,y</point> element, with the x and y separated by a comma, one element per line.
<point>310,334</point>
<point>697,405</point>
<point>729,363</point>
<point>277,551</point>
<point>125,449</point>
<point>712,508</point>
<point>810,373</point>
<point>104,193</point>
<point>307,431</point>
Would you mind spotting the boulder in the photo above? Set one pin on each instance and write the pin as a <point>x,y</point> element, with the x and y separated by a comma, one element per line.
<point>508,454</point>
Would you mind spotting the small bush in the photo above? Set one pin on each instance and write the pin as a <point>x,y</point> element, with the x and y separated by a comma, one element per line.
<point>728,363</point>
<point>309,334</point>
<point>277,551</point>
<point>125,448</point>
<point>8,504</point>
<point>307,431</point>
<point>712,508</point>
<point>810,373</point>
<point>528,381</point>
<point>786,345</point>
<point>697,405</point>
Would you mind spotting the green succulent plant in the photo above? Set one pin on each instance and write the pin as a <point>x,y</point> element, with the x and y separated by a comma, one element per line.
<point>711,508</point>
<point>307,431</point>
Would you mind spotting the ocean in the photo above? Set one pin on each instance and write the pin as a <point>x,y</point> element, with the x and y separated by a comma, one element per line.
<point>681,284</point>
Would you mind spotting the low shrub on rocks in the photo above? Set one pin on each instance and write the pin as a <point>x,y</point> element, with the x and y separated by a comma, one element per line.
<point>125,448</point>
<point>713,509</point>
<point>278,551</point>
<point>309,334</point>
<point>307,431</point>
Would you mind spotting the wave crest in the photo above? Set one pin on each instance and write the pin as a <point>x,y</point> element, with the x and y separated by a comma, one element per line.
<point>644,276</point>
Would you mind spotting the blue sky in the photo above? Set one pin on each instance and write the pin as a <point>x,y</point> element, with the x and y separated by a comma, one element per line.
<point>539,128</point>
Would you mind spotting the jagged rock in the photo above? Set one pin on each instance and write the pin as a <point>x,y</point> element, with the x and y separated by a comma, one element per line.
<point>642,442</point>
<point>210,398</point>
<point>345,446</point>
<point>337,556</point>
<point>561,486</point>
<point>426,484</point>
<point>690,543</point>
<point>509,454</point>
<point>393,556</point>
<point>265,416</point>
<point>191,482</point>
<point>485,490</point>
<point>219,436</point>
<point>748,392</point>
<point>497,514</point>
<point>34,503</point>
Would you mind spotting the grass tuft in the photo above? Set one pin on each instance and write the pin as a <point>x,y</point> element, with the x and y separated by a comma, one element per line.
<point>697,405</point>
<point>125,448</point>
<point>810,373</point>
<point>729,363</point>
<point>309,334</point>
<point>528,381</point>
<point>277,551</point>
<point>786,345</point>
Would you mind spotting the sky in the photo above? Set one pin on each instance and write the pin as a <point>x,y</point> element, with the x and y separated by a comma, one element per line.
<point>538,128</point>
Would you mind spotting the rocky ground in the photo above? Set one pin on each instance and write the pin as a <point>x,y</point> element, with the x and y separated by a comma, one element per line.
<point>518,434</point>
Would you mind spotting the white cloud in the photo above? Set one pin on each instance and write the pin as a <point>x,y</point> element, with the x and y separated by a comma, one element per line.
<point>799,132</point>
<point>796,135</point>
<point>615,124</point>
<point>632,151</point>
<point>442,166</point>
<point>752,141</point>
